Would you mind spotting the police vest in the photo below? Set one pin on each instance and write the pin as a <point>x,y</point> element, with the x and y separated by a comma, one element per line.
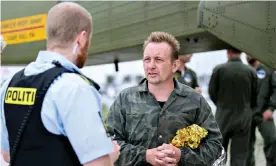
<point>31,144</point>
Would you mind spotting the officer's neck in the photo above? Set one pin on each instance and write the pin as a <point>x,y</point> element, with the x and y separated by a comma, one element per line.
<point>67,53</point>
<point>161,91</point>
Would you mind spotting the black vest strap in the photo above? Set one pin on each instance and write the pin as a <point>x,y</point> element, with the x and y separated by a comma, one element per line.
<point>88,80</point>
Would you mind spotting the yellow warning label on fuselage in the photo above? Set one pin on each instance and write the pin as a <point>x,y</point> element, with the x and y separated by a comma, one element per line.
<point>20,96</point>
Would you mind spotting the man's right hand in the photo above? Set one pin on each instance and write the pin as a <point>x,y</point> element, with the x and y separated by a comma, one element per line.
<point>115,155</point>
<point>151,156</point>
<point>267,115</point>
<point>155,157</point>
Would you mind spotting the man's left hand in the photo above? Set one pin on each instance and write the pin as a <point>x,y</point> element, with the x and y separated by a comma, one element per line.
<point>173,155</point>
<point>267,115</point>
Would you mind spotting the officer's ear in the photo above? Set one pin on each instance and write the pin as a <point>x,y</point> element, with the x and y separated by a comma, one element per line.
<point>176,65</point>
<point>82,39</point>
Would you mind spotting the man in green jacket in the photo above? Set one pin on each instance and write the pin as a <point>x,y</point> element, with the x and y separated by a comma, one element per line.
<point>266,106</point>
<point>186,75</point>
<point>233,89</point>
<point>144,119</point>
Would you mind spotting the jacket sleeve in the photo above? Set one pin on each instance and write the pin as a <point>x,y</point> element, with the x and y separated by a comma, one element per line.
<point>258,98</point>
<point>272,101</point>
<point>195,80</point>
<point>257,102</point>
<point>210,147</point>
<point>130,155</point>
<point>213,86</point>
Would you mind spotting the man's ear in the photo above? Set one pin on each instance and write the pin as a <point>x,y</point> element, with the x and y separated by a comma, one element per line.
<point>176,65</point>
<point>82,38</point>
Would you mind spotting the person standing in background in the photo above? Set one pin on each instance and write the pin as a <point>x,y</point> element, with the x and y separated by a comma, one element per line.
<point>233,89</point>
<point>186,75</point>
<point>264,113</point>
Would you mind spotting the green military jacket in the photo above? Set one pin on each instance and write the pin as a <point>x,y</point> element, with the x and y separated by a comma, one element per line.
<point>267,88</point>
<point>234,85</point>
<point>139,123</point>
<point>189,78</point>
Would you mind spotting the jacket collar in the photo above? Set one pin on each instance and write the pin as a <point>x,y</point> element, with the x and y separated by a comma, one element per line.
<point>178,87</point>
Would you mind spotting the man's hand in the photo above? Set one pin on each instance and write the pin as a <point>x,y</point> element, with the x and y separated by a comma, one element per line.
<point>151,156</point>
<point>115,155</point>
<point>6,156</point>
<point>198,89</point>
<point>155,157</point>
<point>267,115</point>
<point>171,156</point>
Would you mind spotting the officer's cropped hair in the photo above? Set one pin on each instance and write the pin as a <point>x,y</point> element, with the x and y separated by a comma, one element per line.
<point>159,37</point>
<point>65,20</point>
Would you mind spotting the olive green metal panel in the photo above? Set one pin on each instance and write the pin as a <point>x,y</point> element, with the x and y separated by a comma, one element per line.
<point>119,28</point>
<point>249,26</point>
<point>25,52</point>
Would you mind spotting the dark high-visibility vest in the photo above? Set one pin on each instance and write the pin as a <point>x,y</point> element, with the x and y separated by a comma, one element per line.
<point>31,144</point>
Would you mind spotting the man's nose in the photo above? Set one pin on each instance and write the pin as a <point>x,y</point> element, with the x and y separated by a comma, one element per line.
<point>152,64</point>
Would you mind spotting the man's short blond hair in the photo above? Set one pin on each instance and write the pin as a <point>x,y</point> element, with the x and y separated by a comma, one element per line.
<point>65,20</point>
<point>159,37</point>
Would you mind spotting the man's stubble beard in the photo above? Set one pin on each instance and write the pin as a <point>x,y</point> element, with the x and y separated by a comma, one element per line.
<point>83,57</point>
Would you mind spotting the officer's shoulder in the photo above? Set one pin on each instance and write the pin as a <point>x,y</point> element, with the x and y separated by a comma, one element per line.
<point>71,79</point>
<point>250,68</point>
<point>266,68</point>
<point>191,70</point>
<point>219,66</point>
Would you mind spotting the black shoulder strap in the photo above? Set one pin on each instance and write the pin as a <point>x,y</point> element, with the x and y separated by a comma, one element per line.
<point>88,80</point>
<point>51,74</point>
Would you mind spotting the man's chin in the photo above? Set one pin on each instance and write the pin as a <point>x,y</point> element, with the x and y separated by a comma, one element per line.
<point>153,81</point>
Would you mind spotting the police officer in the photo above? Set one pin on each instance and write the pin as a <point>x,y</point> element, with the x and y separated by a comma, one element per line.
<point>145,118</point>
<point>186,75</point>
<point>233,89</point>
<point>50,112</point>
<point>266,106</point>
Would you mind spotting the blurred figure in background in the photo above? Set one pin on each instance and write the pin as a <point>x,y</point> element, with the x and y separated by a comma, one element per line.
<point>2,46</point>
<point>186,75</point>
<point>263,118</point>
<point>233,89</point>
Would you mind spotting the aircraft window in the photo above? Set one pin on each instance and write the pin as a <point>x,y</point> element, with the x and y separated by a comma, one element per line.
<point>109,79</point>
<point>127,79</point>
<point>138,79</point>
